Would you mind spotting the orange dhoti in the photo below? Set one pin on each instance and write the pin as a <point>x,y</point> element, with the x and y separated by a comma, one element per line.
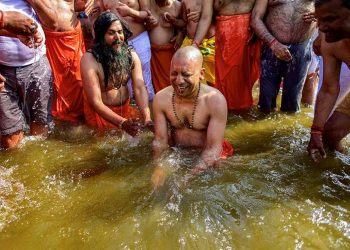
<point>160,65</point>
<point>227,149</point>
<point>237,64</point>
<point>96,121</point>
<point>64,51</point>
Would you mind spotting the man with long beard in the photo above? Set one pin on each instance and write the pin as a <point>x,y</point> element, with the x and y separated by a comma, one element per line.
<point>106,69</point>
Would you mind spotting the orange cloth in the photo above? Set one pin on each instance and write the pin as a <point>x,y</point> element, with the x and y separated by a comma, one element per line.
<point>160,65</point>
<point>95,120</point>
<point>64,51</point>
<point>227,149</point>
<point>237,65</point>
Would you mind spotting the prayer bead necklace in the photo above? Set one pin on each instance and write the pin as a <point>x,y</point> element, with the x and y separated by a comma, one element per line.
<point>185,123</point>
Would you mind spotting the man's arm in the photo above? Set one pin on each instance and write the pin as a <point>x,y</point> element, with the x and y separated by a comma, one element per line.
<point>326,99</point>
<point>140,15</point>
<point>46,13</point>
<point>160,142</point>
<point>215,134</point>
<point>257,23</point>
<point>204,21</point>
<point>140,91</point>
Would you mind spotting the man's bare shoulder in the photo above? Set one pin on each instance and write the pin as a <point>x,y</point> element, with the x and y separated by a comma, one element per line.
<point>213,96</point>
<point>333,49</point>
<point>88,61</point>
<point>164,95</point>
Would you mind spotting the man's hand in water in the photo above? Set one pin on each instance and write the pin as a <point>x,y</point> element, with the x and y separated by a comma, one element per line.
<point>131,127</point>
<point>315,148</point>
<point>2,83</point>
<point>149,125</point>
<point>158,178</point>
<point>18,23</point>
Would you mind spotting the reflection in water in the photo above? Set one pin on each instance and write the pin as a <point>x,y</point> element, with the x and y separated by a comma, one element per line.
<point>79,190</point>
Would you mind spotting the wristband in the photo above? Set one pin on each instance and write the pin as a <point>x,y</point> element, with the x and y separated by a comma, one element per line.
<point>2,22</point>
<point>272,42</point>
<point>315,132</point>
<point>316,128</point>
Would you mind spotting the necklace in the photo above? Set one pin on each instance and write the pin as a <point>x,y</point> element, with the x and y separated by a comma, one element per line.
<point>185,123</point>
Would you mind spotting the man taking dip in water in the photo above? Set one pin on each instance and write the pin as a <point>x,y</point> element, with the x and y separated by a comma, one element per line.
<point>106,70</point>
<point>197,114</point>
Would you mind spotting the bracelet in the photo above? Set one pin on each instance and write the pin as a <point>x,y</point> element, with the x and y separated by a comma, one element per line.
<point>316,128</point>
<point>315,132</point>
<point>272,42</point>
<point>2,22</point>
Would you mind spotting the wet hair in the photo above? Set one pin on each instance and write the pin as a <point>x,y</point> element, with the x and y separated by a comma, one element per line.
<point>117,65</point>
<point>345,3</point>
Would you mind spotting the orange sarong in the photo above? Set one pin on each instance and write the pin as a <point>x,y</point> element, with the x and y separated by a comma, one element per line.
<point>227,149</point>
<point>64,51</point>
<point>237,64</point>
<point>160,65</point>
<point>96,121</point>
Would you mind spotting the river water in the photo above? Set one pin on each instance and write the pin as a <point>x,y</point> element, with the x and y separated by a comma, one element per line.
<point>77,190</point>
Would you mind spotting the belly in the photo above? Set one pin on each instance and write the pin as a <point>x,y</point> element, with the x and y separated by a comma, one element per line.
<point>115,97</point>
<point>186,137</point>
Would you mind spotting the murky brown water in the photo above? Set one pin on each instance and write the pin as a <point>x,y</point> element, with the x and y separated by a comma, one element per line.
<point>78,191</point>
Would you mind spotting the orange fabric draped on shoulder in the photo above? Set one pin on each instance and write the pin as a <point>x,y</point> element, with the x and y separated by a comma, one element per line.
<point>64,51</point>
<point>227,150</point>
<point>96,121</point>
<point>160,65</point>
<point>237,64</point>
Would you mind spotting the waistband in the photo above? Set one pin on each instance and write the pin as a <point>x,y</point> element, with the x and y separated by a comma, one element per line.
<point>245,16</point>
<point>52,34</point>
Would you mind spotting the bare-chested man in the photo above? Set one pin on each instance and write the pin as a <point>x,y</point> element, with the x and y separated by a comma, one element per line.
<point>237,61</point>
<point>198,16</point>
<point>284,27</point>
<point>196,113</point>
<point>162,32</point>
<point>65,47</point>
<point>334,20</point>
<point>134,14</point>
<point>106,69</point>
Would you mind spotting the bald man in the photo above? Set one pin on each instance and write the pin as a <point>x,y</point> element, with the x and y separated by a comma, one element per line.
<point>196,113</point>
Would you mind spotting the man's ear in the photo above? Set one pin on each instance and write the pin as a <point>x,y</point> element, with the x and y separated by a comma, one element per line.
<point>202,74</point>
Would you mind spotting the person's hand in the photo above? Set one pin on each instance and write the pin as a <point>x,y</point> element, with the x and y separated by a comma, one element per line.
<point>315,148</point>
<point>131,127</point>
<point>149,125</point>
<point>169,17</point>
<point>2,83</point>
<point>31,41</point>
<point>151,21</point>
<point>316,46</point>
<point>193,16</point>
<point>158,178</point>
<point>309,17</point>
<point>123,9</point>
<point>92,9</point>
<point>281,51</point>
<point>177,40</point>
<point>19,24</point>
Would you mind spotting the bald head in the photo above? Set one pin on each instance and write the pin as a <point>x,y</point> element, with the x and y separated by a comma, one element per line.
<point>189,53</point>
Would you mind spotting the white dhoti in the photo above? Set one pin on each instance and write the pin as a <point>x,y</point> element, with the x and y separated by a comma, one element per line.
<point>142,46</point>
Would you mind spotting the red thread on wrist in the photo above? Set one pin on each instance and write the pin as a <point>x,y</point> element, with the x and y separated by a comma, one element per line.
<point>272,42</point>
<point>2,21</point>
<point>315,132</point>
<point>317,128</point>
